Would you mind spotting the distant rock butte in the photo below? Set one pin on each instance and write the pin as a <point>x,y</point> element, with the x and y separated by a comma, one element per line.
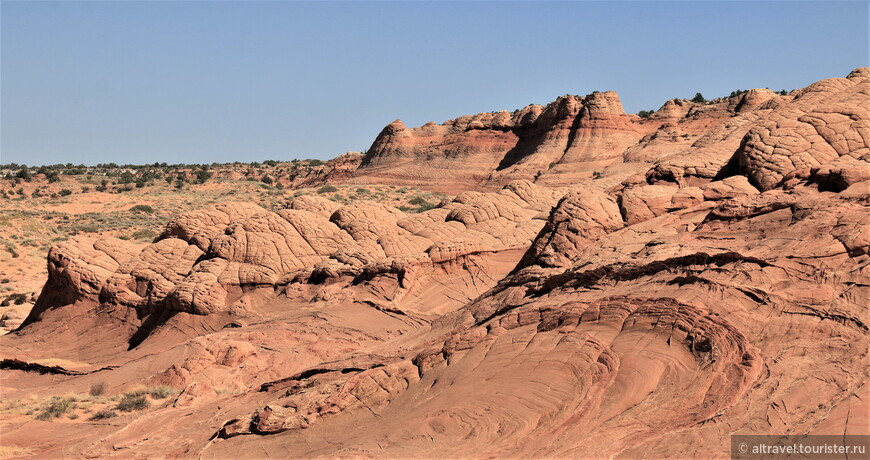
<point>709,279</point>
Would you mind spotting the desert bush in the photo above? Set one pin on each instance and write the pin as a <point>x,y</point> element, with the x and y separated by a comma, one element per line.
<point>202,175</point>
<point>24,173</point>
<point>645,113</point>
<point>10,248</point>
<point>142,208</point>
<point>162,391</point>
<point>327,189</point>
<point>65,192</point>
<point>87,228</point>
<point>417,201</point>
<point>97,389</point>
<point>144,234</point>
<point>130,402</point>
<point>137,390</point>
<point>56,407</point>
<point>699,98</point>
<point>17,299</point>
<point>104,414</point>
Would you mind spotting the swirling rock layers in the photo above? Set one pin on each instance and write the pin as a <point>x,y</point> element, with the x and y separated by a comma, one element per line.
<point>653,311</point>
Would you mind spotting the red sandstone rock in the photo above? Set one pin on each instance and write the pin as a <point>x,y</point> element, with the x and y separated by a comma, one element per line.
<point>652,311</point>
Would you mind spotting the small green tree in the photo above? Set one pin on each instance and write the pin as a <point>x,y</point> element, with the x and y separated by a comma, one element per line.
<point>699,98</point>
<point>202,175</point>
<point>24,173</point>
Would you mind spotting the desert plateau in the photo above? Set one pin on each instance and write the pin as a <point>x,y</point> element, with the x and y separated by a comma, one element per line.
<point>564,280</point>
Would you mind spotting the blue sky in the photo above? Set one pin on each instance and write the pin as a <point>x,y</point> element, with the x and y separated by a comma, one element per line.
<point>202,82</point>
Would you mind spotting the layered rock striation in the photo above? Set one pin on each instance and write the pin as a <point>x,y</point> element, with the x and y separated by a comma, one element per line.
<point>697,288</point>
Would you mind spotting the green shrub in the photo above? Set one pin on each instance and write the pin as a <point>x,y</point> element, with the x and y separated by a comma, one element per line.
<point>130,402</point>
<point>202,175</point>
<point>56,407</point>
<point>24,173</point>
<point>142,208</point>
<point>699,98</point>
<point>645,113</point>
<point>17,299</point>
<point>417,201</point>
<point>104,414</point>
<point>65,192</point>
<point>327,189</point>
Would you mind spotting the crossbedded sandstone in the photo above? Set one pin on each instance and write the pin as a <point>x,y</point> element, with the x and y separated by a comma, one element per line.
<point>709,279</point>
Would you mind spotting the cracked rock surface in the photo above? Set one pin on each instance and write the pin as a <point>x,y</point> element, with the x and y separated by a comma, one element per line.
<point>693,288</point>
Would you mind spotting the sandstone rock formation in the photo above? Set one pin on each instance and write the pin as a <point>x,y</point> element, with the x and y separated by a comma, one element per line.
<point>696,288</point>
<point>569,140</point>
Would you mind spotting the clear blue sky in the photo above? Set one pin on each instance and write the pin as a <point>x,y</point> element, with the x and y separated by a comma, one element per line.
<point>199,82</point>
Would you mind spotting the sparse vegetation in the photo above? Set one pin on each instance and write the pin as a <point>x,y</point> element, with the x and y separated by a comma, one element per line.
<point>163,391</point>
<point>103,414</point>
<point>37,215</point>
<point>142,208</point>
<point>56,407</point>
<point>699,98</point>
<point>97,389</point>
<point>144,234</point>
<point>645,113</point>
<point>131,402</point>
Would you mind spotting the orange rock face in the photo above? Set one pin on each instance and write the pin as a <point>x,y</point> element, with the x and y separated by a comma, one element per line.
<point>709,279</point>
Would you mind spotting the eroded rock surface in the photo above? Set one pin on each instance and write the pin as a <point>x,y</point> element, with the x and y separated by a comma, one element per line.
<point>711,280</point>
